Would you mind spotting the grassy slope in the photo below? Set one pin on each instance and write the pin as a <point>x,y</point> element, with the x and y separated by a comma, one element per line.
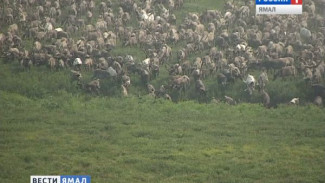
<point>143,140</point>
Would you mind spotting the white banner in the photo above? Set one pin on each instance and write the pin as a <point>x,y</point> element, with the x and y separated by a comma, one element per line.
<point>278,9</point>
<point>45,179</point>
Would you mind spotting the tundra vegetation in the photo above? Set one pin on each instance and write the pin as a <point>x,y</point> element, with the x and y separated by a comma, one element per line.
<point>161,91</point>
<point>143,140</point>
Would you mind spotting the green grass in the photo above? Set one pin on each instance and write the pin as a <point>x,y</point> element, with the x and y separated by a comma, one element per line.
<point>147,140</point>
<point>49,127</point>
<point>196,6</point>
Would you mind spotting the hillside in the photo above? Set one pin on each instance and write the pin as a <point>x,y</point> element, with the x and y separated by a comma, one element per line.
<point>51,124</point>
<point>18,79</point>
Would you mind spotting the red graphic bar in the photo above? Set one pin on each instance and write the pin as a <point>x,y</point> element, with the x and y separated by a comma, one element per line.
<point>296,2</point>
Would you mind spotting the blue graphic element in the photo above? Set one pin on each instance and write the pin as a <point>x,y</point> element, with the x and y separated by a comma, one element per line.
<point>75,179</point>
<point>273,2</point>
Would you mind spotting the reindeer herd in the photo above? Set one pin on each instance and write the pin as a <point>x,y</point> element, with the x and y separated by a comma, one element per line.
<point>230,45</point>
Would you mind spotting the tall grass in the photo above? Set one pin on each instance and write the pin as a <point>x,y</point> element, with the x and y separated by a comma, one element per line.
<point>140,139</point>
<point>49,126</point>
<point>39,82</point>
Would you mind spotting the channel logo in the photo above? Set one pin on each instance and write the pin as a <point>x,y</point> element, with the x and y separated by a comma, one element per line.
<point>278,7</point>
<point>60,179</point>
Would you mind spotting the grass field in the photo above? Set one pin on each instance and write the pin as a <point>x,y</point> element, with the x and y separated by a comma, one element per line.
<point>147,140</point>
<point>49,127</point>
